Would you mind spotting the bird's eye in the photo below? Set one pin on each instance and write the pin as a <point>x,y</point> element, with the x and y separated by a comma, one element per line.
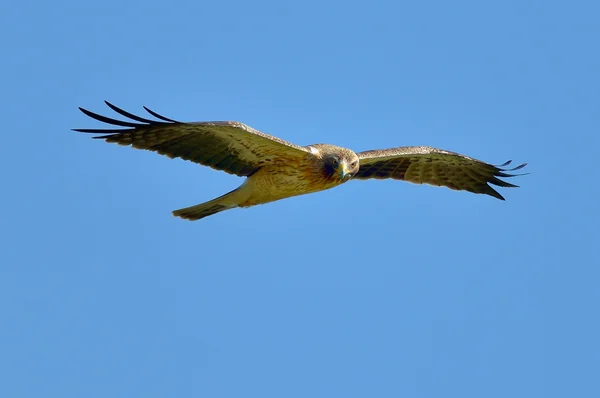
<point>353,164</point>
<point>335,162</point>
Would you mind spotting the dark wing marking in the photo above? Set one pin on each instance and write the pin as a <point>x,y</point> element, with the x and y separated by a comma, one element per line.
<point>426,165</point>
<point>229,146</point>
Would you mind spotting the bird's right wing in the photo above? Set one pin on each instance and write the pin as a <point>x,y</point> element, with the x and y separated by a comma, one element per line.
<point>232,147</point>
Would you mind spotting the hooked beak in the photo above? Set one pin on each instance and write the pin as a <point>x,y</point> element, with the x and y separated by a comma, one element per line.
<point>345,171</point>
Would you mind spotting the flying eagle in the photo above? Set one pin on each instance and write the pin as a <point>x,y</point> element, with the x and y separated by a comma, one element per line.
<point>276,169</point>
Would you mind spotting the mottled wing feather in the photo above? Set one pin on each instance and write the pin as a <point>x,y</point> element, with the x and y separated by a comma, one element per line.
<point>426,165</point>
<point>229,146</point>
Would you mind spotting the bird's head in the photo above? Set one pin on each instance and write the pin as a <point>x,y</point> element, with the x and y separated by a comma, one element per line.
<point>341,165</point>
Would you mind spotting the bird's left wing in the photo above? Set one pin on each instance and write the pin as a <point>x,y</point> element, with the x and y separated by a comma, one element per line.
<point>232,147</point>
<point>426,165</point>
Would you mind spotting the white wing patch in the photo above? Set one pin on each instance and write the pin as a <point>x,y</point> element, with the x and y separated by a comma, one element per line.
<point>313,150</point>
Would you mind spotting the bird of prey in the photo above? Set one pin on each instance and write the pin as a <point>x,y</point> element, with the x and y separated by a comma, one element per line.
<point>277,169</point>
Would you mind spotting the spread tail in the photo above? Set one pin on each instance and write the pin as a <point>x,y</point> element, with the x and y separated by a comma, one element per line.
<point>209,208</point>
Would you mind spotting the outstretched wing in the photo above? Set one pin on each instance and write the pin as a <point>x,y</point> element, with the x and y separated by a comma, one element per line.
<point>229,146</point>
<point>426,165</point>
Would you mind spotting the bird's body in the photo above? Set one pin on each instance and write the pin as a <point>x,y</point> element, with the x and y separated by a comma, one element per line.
<point>278,182</point>
<point>276,169</point>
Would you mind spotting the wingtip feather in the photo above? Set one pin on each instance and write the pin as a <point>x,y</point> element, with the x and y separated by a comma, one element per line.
<point>159,116</point>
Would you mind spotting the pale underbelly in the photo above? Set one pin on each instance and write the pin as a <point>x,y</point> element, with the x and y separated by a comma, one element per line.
<point>269,185</point>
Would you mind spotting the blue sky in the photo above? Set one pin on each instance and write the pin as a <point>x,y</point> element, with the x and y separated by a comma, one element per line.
<point>377,288</point>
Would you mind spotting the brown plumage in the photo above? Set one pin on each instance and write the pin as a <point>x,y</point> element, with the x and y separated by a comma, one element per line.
<point>276,169</point>
<point>426,165</point>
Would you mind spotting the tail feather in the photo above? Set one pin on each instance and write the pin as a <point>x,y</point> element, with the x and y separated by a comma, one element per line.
<point>206,209</point>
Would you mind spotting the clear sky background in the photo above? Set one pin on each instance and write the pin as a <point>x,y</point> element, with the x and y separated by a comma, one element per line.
<point>377,288</point>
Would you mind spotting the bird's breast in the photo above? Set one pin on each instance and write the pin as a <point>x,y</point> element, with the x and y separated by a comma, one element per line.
<point>283,181</point>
